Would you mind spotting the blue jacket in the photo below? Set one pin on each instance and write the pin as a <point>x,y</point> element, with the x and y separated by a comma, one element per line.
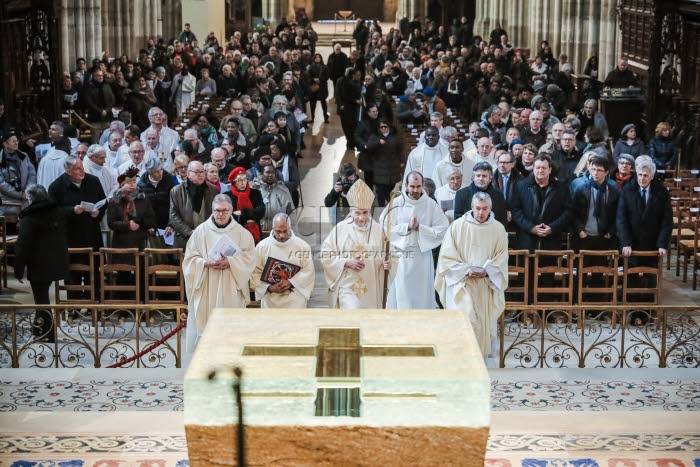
<point>663,151</point>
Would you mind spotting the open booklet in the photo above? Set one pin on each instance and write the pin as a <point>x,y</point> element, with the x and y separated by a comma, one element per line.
<point>89,207</point>
<point>224,247</point>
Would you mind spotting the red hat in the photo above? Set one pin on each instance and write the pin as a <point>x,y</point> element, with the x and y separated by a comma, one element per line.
<point>235,173</point>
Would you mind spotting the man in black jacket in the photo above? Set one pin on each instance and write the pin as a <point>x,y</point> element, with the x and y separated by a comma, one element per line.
<point>157,188</point>
<point>481,181</point>
<point>540,208</point>
<point>566,157</point>
<point>337,63</point>
<point>594,208</point>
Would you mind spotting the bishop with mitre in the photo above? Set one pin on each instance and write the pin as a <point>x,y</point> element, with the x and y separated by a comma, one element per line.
<point>353,255</point>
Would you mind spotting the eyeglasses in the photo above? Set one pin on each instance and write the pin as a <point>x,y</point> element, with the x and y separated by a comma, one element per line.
<point>504,162</point>
<point>159,114</point>
<point>221,211</point>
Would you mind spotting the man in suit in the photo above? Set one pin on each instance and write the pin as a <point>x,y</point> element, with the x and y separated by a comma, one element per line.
<point>505,179</point>
<point>644,222</point>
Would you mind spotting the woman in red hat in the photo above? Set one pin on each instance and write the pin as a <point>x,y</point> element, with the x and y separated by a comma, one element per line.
<point>248,204</point>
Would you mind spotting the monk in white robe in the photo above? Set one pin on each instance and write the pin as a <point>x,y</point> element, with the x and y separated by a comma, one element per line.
<point>216,283</point>
<point>445,195</point>
<point>353,256</point>
<point>426,155</point>
<point>282,244</point>
<point>472,272</point>
<point>455,160</point>
<point>415,225</point>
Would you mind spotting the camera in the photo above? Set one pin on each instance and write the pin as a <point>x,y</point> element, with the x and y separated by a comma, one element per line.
<point>346,184</point>
<point>16,184</point>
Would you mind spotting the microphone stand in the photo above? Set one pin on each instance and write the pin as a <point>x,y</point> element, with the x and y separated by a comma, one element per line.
<point>240,428</point>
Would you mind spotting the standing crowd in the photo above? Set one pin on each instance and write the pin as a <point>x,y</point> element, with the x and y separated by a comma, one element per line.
<point>533,159</point>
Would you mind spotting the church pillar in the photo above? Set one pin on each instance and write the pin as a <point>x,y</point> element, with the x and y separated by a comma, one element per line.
<point>274,10</point>
<point>482,11</point>
<point>556,43</point>
<point>94,46</point>
<point>607,38</point>
<point>580,48</point>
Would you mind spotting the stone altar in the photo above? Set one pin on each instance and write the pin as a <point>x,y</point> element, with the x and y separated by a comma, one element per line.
<point>332,387</point>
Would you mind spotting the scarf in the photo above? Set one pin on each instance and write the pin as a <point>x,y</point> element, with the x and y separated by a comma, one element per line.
<point>196,193</point>
<point>243,202</point>
<point>621,179</point>
<point>216,185</point>
<point>599,208</point>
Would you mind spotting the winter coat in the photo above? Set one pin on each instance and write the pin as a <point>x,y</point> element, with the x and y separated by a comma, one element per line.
<point>580,203</point>
<point>85,230</point>
<point>386,158</point>
<point>42,244</point>
<point>123,236</point>
<point>663,151</point>
<point>621,147</point>
<point>159,197</point>
<point>644,228</point>
<point>463,202</point>
<point>528,212</point>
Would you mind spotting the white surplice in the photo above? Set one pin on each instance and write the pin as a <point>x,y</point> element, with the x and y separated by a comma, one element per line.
<point>294,251</point>
<point>209,288</point>
<point>471,245</point>
<point>412,272</point>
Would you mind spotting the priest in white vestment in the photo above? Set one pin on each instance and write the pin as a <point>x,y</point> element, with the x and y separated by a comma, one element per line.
<point>220,282</point>
<point>426,155</point>
<point>455,160</point>
<point>284,246</point>
<point>415,225</point>
<point>353,255</point>
<point>445,195</point>
<point>472,272</point>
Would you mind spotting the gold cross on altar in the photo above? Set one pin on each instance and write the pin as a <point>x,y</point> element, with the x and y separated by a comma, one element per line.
<point>339,351</point>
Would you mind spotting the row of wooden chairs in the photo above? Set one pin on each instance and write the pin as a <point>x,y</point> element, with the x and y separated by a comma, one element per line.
<point>120,277</point>
<point>589,277</point>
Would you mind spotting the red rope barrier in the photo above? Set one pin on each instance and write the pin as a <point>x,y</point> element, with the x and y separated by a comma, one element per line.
<point>150,347</point>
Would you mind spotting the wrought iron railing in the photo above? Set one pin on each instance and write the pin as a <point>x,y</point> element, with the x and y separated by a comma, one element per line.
<point>99,336</point>
<point>557,336</point>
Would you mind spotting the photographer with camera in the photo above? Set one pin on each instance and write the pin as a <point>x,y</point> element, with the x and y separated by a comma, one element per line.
<point>337,196</point>
<point>16,174</point>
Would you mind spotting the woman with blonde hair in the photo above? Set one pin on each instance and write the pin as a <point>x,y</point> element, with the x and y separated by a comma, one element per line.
<point>663,149</point>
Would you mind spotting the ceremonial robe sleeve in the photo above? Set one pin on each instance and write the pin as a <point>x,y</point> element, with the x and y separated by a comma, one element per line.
<point>431,235</point>
<point>303,281</point>
<point>332,259</point>
<point>241,266</point>
<point>449,257</point>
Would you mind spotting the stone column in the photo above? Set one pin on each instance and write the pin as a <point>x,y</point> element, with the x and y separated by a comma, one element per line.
<point>608,37</point>
<point>557,19</point>
<point>273,10</point>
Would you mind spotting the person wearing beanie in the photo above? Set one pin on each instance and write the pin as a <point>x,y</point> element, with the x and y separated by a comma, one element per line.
<point>629,143</point>
<point>129,213</point>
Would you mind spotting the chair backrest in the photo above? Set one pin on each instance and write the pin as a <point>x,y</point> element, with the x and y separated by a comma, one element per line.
<point>597,273</point>
<point>120,273</point>
<point>554,271</point>
<point>163,275</point>
<point>517,292</point>
<point>642,278</point>
<point>81,263</point>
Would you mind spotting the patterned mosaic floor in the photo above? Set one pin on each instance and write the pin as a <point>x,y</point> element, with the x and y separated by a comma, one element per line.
<point>163,391</point>
<point>585,418</point>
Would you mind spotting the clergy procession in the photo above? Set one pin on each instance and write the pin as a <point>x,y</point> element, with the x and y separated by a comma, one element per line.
<point>455,149</point>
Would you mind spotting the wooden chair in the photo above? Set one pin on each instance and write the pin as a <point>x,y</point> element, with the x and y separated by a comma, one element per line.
<point>81,263</point>
<point>554,276</point>
<point>120,273</point>
<point>696,256</point>
<point>165,282</point>
<point>597,275</point>
<point>688,215</point>
<point>642,283</point>
<point>518,277</point>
